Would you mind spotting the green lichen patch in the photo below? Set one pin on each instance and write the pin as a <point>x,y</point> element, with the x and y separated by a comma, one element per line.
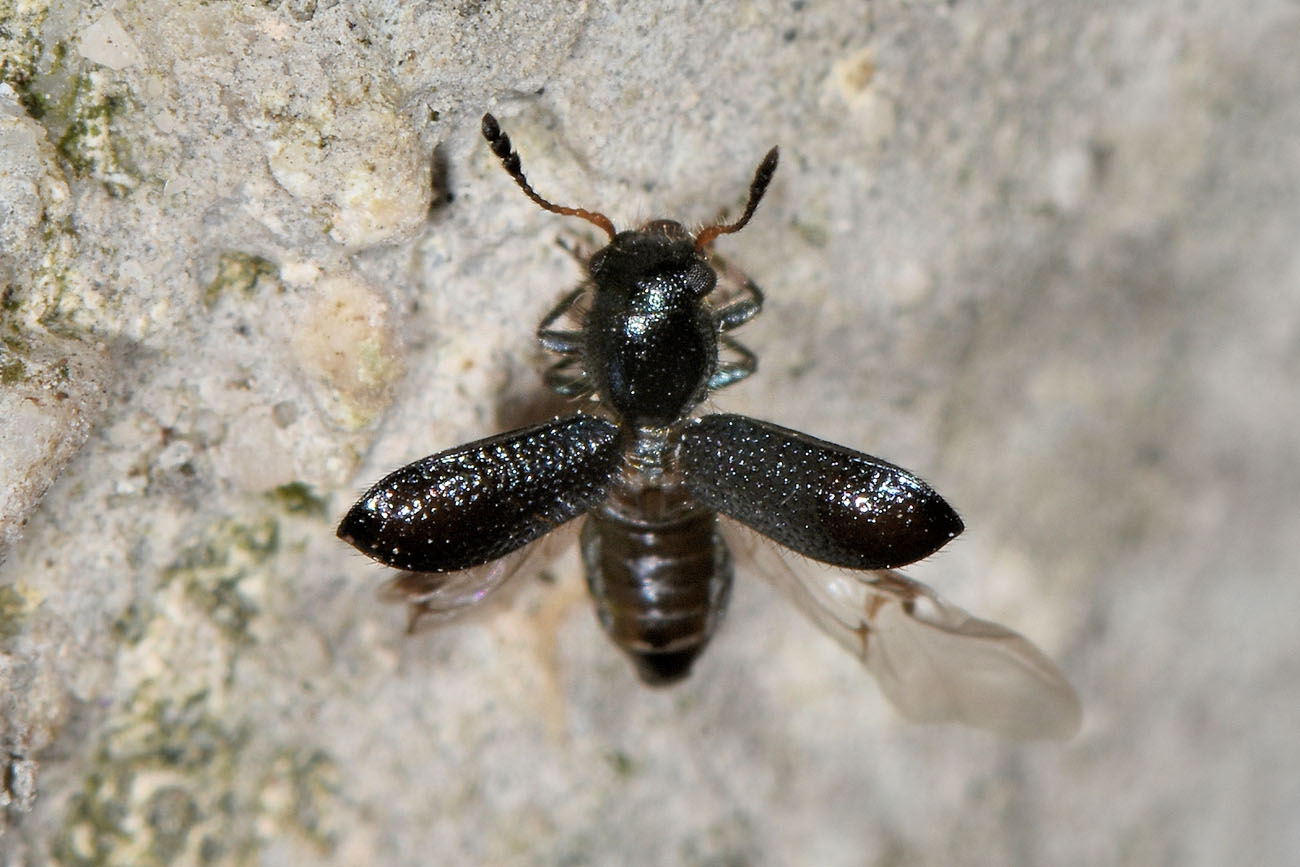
<point>14,344</point>
<point>242,274</point>
<point>170,812</point>
<point>187,767</point>
<point>9,301</point>
<point>78,102</point>
<point>623,764</point>
<point>49,295</point>
<point>224,573</point>
<point>162,786</point>
<point>88,141</point>
<point>12,370</point>
<point>299,498</point>
<point>17,339</point>
<point>13,610</point>
<point>133,624</point>
<point>20,49</point>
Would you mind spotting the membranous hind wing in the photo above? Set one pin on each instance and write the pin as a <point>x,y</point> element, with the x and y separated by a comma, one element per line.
<point>938,663</point>
<point>433,597</point>
<point>457,521</point>
<point>934,661</point>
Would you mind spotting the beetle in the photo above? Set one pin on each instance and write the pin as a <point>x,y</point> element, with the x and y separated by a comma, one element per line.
<point>645,338</point>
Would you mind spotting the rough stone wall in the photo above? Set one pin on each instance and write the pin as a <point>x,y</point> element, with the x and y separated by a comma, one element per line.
<point>254,255</point>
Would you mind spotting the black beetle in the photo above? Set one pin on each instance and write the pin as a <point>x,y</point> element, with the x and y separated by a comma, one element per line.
<point>650,340</point>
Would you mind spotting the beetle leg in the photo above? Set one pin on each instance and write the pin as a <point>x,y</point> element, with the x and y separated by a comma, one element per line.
<point>736,313</point>
<point>566,381</point>
<point>733,371</point>
<point>561,341</point>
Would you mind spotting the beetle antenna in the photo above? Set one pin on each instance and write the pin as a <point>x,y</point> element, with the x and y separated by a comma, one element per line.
<point>500,143</point>
<point>757,187</point>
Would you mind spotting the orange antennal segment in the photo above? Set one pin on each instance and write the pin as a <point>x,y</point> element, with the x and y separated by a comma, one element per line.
<point>500,143</point>
<point>757,187</point>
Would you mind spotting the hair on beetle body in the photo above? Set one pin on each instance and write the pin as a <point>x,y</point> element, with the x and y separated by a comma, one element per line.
<point>647,336</point>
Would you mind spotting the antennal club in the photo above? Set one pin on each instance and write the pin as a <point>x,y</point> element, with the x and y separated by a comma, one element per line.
<point>500,143</point>
<point>757,187</point>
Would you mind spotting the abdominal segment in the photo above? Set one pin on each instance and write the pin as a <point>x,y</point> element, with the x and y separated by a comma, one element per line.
<point>660,588</point>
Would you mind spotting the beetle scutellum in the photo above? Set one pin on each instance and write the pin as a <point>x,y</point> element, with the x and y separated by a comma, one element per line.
<point>650,341</point>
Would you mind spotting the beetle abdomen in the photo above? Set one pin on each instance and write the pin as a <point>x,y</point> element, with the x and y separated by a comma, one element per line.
<point>660,588</point>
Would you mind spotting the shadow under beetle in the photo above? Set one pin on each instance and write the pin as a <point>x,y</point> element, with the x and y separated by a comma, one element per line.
<point>651,338</point>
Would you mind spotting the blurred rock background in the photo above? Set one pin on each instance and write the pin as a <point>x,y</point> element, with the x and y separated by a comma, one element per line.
<point>254,255</point>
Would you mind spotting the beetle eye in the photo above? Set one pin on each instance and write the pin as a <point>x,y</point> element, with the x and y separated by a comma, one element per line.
<point>701,278</point>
